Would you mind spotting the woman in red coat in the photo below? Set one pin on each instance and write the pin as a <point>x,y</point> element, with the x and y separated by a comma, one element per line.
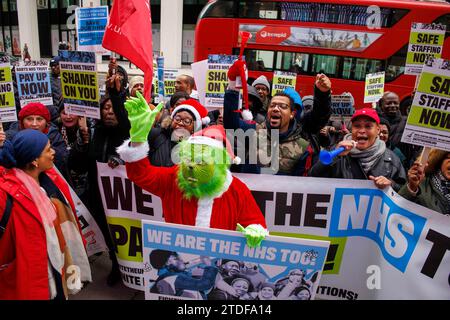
<point>43,254</point>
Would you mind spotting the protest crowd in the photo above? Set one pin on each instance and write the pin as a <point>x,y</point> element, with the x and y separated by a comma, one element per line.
<point>49,150</point>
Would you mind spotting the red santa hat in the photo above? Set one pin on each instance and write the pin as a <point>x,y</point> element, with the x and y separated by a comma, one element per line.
<point>214,136</point>
<point>197,109</point>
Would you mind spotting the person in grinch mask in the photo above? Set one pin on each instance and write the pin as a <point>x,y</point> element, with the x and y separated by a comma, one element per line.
<point>200,190</point>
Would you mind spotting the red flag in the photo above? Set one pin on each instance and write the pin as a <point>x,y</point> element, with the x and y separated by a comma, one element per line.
<point>129,33</point>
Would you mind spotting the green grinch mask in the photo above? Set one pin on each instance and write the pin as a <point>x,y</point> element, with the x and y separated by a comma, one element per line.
<point>203,170</point>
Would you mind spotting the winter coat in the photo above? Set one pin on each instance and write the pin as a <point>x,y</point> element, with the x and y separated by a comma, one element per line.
<point>298,147</point>
<point>23,247</point>
<point>347,167</point>
<point>427,196</point>
<point>235,205</point>
<point>160,143</point>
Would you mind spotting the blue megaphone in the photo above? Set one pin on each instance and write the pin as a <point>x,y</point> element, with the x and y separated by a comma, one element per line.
<point>326,157</point>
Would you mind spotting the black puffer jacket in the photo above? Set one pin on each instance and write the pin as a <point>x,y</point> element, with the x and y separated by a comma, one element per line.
<point>160,143</point>
<point>346,167</point>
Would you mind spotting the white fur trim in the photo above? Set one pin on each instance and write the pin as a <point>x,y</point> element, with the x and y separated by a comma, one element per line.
<point>206,120</point>
<point>132,154</point>
<point>205,205</point>
<point>247,115</point>
<point>198,119</point>
<point>205,141</point>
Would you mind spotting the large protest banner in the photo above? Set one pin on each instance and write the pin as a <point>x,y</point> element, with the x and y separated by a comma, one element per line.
<point>7,102</point>
<point>382,246</point>
<point>217,79</point>
<point>79,83</point>
<point>89,228</point>
<point>95,242</point>
<point>283,80</point>
<point>126,205</point>
<point>90,25</point>
<point>33,84</point>
<point>428,121</point>
<point>425,41</point>
<point>291,266</point>
<point>374,87</point>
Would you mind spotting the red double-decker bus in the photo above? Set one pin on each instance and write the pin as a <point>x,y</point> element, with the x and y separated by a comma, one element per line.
<point>344,39</point>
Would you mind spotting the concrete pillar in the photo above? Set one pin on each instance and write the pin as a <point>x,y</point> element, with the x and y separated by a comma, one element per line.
<point>171,32</point>
<point>28,27</point>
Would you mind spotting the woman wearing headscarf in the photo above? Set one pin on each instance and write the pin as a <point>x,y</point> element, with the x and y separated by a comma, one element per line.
<point>36,116</point>
<point>430,186</point>
<point>365,156</point>
<point>43,253</point>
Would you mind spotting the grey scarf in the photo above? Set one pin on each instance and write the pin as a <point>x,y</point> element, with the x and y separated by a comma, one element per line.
<point>369,156</point>
<point>443,185</point>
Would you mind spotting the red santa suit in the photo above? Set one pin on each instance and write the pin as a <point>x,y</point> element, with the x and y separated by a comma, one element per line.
<point>234,204</point>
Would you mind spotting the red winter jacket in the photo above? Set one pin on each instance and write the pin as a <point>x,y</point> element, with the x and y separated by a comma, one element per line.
<point>23,247</point>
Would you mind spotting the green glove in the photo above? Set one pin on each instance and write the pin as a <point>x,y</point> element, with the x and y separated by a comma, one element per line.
<point>141,117</point>
<point>254,233</point>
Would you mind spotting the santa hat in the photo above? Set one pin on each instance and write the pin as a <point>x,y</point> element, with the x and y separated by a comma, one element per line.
<point>197,109</point>
<point>214,136</point>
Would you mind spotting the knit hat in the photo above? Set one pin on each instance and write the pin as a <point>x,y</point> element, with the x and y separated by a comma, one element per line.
<point>261,80</point>
<point>26,146</point>
<point>34,109</point>
<point>197,109</point>
<point>135,80</point>
<point>298,103</point>
<point>214,136</point>
<point>158,258</point>
<point>268,285</point>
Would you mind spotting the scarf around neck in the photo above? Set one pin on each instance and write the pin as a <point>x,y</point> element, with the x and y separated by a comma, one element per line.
<point>47,212</point>
<point>369,156</point>
<point>443,185</point>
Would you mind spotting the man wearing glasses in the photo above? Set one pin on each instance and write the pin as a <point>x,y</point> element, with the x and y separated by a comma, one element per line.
<point>287,129</point>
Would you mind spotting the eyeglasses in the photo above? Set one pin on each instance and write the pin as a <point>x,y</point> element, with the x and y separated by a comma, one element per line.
<point>281,106</point>
<point>186,121</point>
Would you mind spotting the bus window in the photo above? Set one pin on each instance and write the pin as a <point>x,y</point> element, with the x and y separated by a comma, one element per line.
<point>218,9</point>
<point>366,66</point>
<point>258,10</point>
<point>293,62</point>
<point>396,64</point>
<point>258,60</point>
<point>347,68</point>
<point>445,20</point>
<point>325,64</point>
<point>337,13</point>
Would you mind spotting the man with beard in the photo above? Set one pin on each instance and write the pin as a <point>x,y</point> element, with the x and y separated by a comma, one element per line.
<point>296,132</point>
<point>173,278</point>
<point>188,117</point>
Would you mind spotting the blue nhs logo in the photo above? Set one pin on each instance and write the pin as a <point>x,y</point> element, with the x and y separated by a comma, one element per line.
<point>372,214</point>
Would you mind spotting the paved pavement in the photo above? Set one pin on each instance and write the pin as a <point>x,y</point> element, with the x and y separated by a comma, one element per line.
<point>99,290</point>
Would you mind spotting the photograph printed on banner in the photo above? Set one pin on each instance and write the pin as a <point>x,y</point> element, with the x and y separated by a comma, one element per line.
<point>179,264</point>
